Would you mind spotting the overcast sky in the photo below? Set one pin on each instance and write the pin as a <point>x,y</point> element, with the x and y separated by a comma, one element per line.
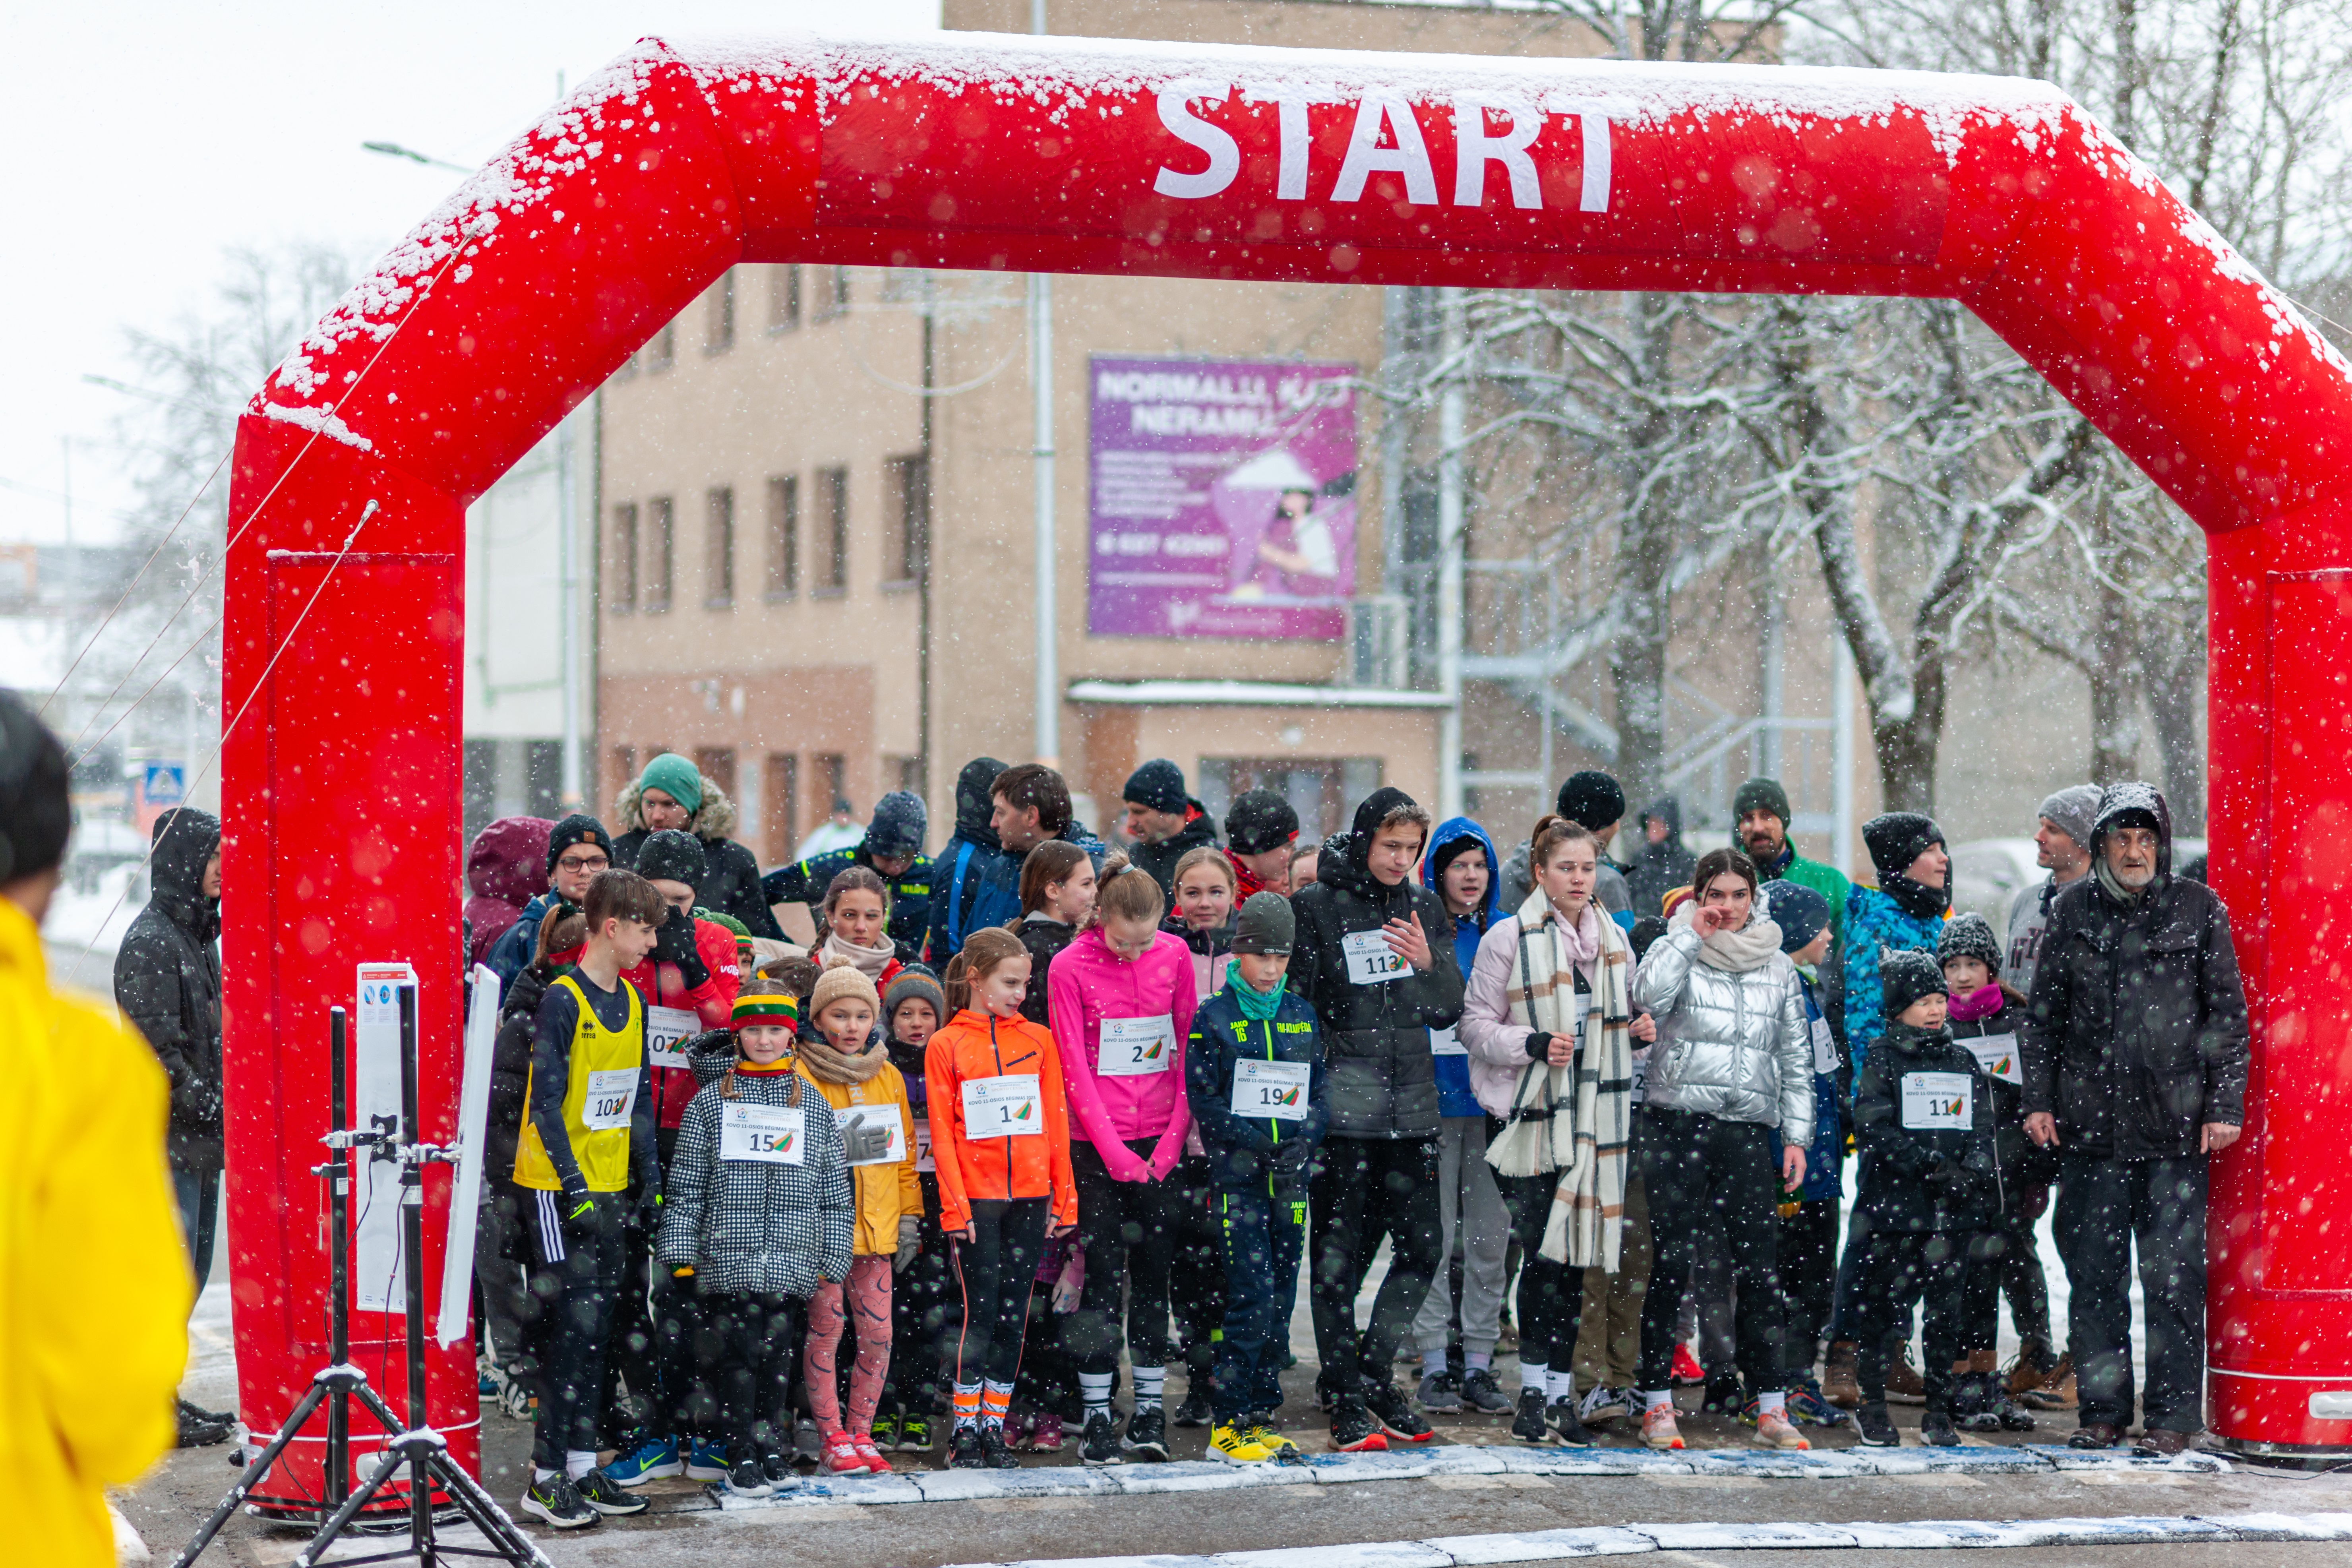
<point>143,141</point>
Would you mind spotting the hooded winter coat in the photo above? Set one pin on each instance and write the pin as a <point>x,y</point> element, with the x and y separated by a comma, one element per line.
<point>1089,984</point>
<point>730,878</point>
<point>1161,858</point>
<point>1454,1095</point>
<point>887,1190</point>
<point>974,882</point>
<point>1663,865</point>
<point>1732,1044</point>
<point>1940,1179</point>
<point>1381,1074</point>
<point>1875,924</point>
<point>2135,1034</point>
<point>167,981</point>
<point>505,869</point>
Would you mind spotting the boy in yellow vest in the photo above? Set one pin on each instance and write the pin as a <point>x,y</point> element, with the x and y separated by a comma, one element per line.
<point>587,1158</point>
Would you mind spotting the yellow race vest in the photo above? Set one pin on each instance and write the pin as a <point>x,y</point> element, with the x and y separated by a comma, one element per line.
<point>597,1101</point>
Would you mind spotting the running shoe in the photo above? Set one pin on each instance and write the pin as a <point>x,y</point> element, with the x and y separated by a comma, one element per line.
<point>706,1461</point>
<point>963,1450</point>
<point>1877,1427</point>
<point>1263,1433</point>
<point>841,1455</point>
<point>1775,1430</point>
<point>748,1480</point>
<point>1395,1413</point>
<point>1046,1437</point>
<point>597,1490</point>
<point>995,1453</point>
<point>885,1432</point>
<point>808,1448</point>
<point>1481,1392</point>
<point>1195,1411</point>
<point>1531,1424</point>
<point>1098,1443</point>
<point>1234,1444</point>
<point>871,1452</point>
<point>557,1501</point>
<point>1935,1430</point>
<point>1658,1428</point>
<point>1808,1408</point>
<point>1354,1431</point>
<point>1146,1433</point>
<point>1438,1396</point>
<point>1564,1421</point>
<point>650,1460</point>
<point>914,1434</point>
<point>781,1477</point>
<point>1686,1372</point>
<point>1602,1403</point>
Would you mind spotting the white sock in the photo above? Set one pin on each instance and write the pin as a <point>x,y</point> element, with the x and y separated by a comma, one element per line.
<point>1149,1380</point>
<point>578,1462</point>
<point>1093,1388</point>
<point>1560,1384</point>
<point>1532,1375</point>
<point>1664,1396</point>
<point>542,1475</point>
<point>1772,1403</point>
<point>1478,1360</point>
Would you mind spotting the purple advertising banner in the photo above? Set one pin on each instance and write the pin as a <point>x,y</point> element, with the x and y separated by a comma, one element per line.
<point>1223,498</point>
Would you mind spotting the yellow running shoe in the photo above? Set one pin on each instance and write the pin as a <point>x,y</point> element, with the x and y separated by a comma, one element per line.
<point>1237,1445</point>
<point>1278,1449</point>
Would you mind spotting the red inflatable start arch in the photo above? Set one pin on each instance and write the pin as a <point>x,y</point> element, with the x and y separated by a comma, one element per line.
<point>503,309</point>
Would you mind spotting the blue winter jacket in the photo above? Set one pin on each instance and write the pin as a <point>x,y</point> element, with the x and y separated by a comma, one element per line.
<point>518,944</point>
<point>1875,924</point>
<point>1453,1096</point>
<point>1240,1149</point>
<point>1823,1178</point>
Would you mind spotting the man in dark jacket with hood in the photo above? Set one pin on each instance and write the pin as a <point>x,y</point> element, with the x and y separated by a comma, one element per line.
<point>1661,863</point>
<point>893,850</point>
<point>1163,824</point>
<point>673,793</point>
<point>2136,1057</point>
<point>1595,800</point>
<point>167,981</point>
<point>972,862</point>
<point>1375,960</point>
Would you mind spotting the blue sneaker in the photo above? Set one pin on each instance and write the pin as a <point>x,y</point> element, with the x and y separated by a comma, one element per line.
<point>653,1458</point>
<point>1808,1408</point>
<point>706,1461</point>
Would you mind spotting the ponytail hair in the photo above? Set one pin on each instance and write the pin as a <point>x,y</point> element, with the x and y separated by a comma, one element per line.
<point>1049,864</point>
<point>983,951</point>
<point>1132,895</point>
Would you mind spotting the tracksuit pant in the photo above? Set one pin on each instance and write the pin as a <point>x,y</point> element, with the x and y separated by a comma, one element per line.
<point>747,1342</point>
<point>1905,1266</point>
<point>1472,1222</point>
<point>1362,1189</point>
<point>1262,1236</point>
<point>994,1272</point>
<point>2016,1273</point>
<point>575,1269</point>
<point>2105,1207</point>
<point>1551,1295</point>
<point>1708,1176</point>
<point>1128,1230</point>
<point>1806,1259</point>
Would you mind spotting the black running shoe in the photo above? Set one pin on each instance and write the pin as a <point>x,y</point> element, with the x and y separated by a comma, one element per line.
<point>557,1501</point>
<point>1146,1433</point>
<point>605,1495</point>
<point>1877,1427</point>
<point>1395,1413</point>
<point>1936,1431</point>
<point>1481,1393</point>
<point>748,1478</point>
<point>1098,1444</point>
<point>781,1477</point>
<point>1722,1397</point>
<point>1354,1430</point>
<point>1530,1425</point>
<point>995,1453</point>
<point>1195,1411</point>
<point>963,1450</point>
<point>1568,1424</point>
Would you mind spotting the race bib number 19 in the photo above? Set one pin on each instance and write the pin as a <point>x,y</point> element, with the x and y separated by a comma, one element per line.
<point>1938,1101</point>
<point>1369,960</point>
<point>1275,1091</point>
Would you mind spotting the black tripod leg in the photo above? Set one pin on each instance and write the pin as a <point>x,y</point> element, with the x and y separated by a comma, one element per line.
<point>474,1501</point>
<point>255,1470</point>
<point>337,1522</point>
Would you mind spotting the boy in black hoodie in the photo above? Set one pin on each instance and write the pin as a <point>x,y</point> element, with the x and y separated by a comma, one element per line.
<point>1930,1187</point>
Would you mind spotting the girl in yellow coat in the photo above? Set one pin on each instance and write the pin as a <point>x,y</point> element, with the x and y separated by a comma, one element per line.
<point>841,1052</point>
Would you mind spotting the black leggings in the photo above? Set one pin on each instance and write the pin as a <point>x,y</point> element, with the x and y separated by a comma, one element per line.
<point>1128,1231</point>
<point>749,1341</point>
<point>1551,1295</point>
<point>1907,1267</point>
<point>995,1271</point>
<point>1708,1175</point>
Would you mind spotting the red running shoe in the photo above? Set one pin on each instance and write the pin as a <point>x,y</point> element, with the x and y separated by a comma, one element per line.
<point>876,1465</point>
<point>1686,1372</point>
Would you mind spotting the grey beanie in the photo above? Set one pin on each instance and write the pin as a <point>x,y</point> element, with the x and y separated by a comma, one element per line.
<point>2074,812</point>
<point>1266,926</point>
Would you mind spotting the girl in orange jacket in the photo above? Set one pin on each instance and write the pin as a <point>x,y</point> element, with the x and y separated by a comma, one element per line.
<point>1000,1137</point>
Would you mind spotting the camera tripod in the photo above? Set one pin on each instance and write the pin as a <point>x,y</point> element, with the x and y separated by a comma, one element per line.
<point>414,1447</point>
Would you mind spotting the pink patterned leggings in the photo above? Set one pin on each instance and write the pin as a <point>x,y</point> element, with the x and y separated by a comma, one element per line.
<point>868,1289</point>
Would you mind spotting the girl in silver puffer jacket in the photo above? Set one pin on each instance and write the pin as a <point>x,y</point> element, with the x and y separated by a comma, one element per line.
<point>1726,1121</point>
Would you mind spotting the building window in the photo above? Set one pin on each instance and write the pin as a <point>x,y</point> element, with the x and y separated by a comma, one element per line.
<point>718,315</point>
<point>910,519</point>
<point>833,772</point>
<point>719,551</point>
<point>783,803</point>
<point>832,293</point>
<point>662,352</point>
<point>907,771</point>
<point>833,514</point>
<point>783,536</point>
<point>661,553</point>
<point>717,765</point>
<point>623,595</point>
<point>783,299</point>
<point>1323,791</point>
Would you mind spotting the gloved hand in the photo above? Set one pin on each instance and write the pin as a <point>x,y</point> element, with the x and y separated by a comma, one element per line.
<point>1949,1180</point>
<point>1538,1045</point>
<point>674,943</point>
<point>201,1104</point>
<point>862,1142</point>
<point>1289,1155</point>
<point>910,1240</point>
<point>647,1217</point>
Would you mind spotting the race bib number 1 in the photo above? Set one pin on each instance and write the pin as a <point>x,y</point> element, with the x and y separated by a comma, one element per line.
<point>1938,1101</point>
<point>666,1031</point>
<point>1133,1048</point>
<point>1369,960</point>
<point>611,1097</point>
<point>1275,1091</point>
<point>1008,1107</point>
<point>771,1134</point>
<point>1997,1055</point>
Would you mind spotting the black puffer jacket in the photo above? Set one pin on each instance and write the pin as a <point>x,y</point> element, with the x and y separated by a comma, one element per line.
<point>167,981</point>
<point>730,878</point>
<point>2135,1034</point>
<point>1161,858</point>
<point>1929,1178</point>
<point>1383,1077</point>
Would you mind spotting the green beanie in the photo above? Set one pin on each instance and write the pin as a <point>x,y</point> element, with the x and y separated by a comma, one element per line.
<point>1761,795</point>
<point>675,777</point>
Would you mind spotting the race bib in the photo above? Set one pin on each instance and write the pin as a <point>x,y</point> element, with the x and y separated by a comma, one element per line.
<point>1447,1042</point>
<point>1938,1101</point>
<point>1997,1055</point>
<point>1825,1047</point>
<point>611,1096</point>
<point>1640,1076</point>
<point>923,1160</point>
<point>1272,1091</point>
<point>852,1119</point>
<point>1369,961</point>
<point>1132,1047</point>
<point>771,1134</point>
<point>666,1031</point>
<point>1007,1107</point>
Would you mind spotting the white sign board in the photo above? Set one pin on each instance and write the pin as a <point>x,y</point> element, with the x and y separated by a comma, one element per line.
<point>465,1190</point>
<point>377,1283</point>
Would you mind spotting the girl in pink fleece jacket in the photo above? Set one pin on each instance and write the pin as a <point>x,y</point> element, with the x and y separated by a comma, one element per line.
<point>1120,999</point>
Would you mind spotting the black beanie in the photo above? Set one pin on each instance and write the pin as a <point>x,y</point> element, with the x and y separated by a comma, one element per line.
<point>1897,839</point>
<point>672,856</point>
<point>1904,975</point>
<point>36,802</point>
<point>1970,936</point>
<point>899,825</point>
<point>1260,820</point>
<point>576,829</point>
<point>1157,785</point>
<point>1760,795</point>
<point>1592,799</point>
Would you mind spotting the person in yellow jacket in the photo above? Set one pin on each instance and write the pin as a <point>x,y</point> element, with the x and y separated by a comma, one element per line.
<point>842,1054</point>
<point>94,1282</point>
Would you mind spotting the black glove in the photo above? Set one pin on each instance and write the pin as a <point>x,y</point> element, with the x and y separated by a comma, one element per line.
<point>578,1205</point>
<point>646,1216</point>
<point>674,943</point>
<point>202,1103</point>
<point>1949,1180</point>
<point>1539,1046</point>
<point>1289,1156</point>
